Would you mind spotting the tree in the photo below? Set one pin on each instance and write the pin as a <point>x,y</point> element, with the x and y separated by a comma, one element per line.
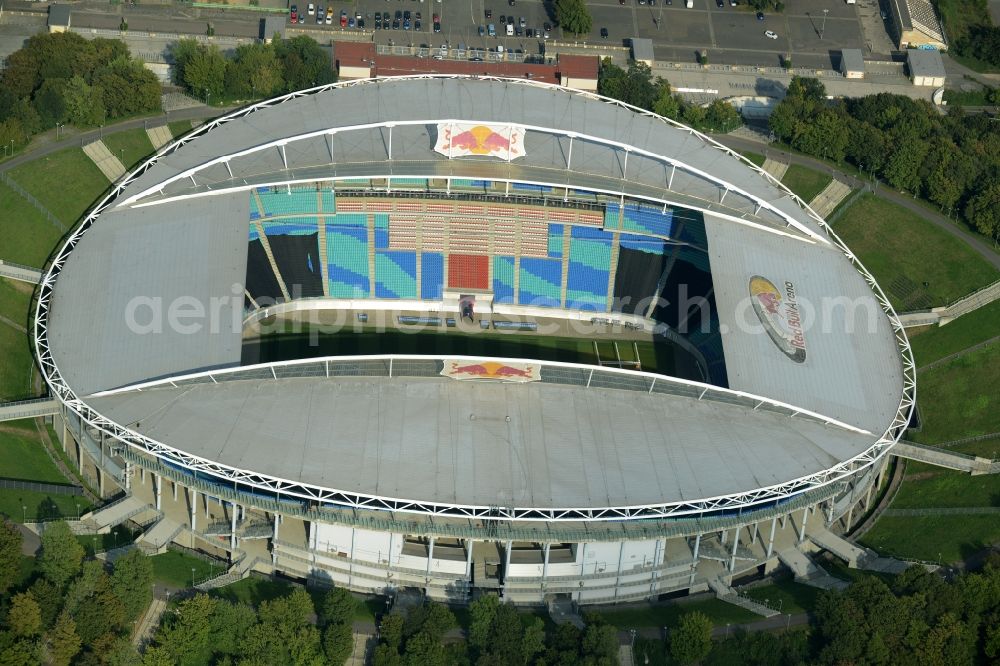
<point>84,104</point>
<point>482,617</point>
<point>182,52</point>
<point>304,63</point>
<point>127,88</point>
<point>573,17</point>
<point>205,72</point>
<point>10,554</point>
<point>808,89</point>
<point>24,618</point>
<point>132,581</point>
<point>61,553</point>
<point>691,641</point>
<point>157,656</point>
<point>600,642</point>
<point>49,599</point>
<point>254,70</point>
<point>338,642</point>
<point>902,170</point>
<point>187,635</point>
<point>635,86</point>
<point>722,116</point>
<point>100,615</point>
<point>667,104</point>
<point>64,643</point>
<point>983,210</point>
<point>230,624</point>
<point>338,607</point>
<point>391,630</point>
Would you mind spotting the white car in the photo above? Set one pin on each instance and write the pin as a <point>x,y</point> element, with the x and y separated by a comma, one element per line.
<point>770,34</point>
<point>312,9</point>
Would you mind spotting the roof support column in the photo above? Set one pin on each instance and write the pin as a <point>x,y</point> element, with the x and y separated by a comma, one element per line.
<point>583,565</point>
<point>175,490</point>
<point>350,568</point>
<point>694,558</point>
<point>390,142</point>
<point>569,157</point>
<point>232,527</point>
<point>193,495</point>
<point>274,538</point>
<point>284,156</point>
<point>625,165</point>
<point>868,496</point>
<point>510,140</point>
<point>506,566</point>
<point>430,557</point>
<point>329,144</point>
<point>159,501</point>
<point>469,543</point>
<point>618,575</point>
<point>545,561</point>
<point>732,556</point>
<point>670,180</point>
<point>725,191</point>
<point>770,539</point>
<point>128,479</point>
<point>802,527</point>
<point>753,534</point>
<point>228,168</point>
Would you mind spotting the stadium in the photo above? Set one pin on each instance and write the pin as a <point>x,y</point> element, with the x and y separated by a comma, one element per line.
<point>463,334</point>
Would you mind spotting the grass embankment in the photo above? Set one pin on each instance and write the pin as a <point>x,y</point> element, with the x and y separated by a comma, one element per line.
<point>963,333</point>
<point>805,182</point>
<point>68,183</point>
<point>130,146</point>
<point>28,237</point>
<point>918,265</point>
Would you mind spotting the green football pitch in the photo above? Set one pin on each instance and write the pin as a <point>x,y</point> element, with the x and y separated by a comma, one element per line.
<point>662,358</point>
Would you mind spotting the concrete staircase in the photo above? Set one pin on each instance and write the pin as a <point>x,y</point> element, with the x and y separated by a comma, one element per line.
<point>20,273</point>
<point>962,462</point>
<point>808,572</point>
<point>154,540</point>
<point>775,168</point>
<point>159,136</point>
<point>829,198</point>
<point>839,546</point>
<point>563,611</point>
<point>110,166</point>
<point>116,513</point>
<point>725,593</point>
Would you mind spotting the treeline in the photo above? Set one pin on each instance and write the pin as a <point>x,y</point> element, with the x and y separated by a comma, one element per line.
<point>63,78</point>
<point>637,86</point>
<point>918,618</point>
<point>72,611</point>
<point>970,29</point>
<point>952,160</point>
<point>252,71</point>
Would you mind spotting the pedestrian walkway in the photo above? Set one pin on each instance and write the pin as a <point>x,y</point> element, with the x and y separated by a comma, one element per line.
<point>775,168</point>
<point>114,514</point>
<point>808,572</point>
<point>109,165</point>
<point>150,621</point>
<point>962,462</point>
<point>159,136</point>
<point>949,313</point>
<point>20,273</point>
<point>830,197</point>
<point>945,511</point>
<point>26,409</point>
<point>364,644</point>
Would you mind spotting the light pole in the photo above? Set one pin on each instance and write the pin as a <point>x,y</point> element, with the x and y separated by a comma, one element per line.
<point>192,576</point>
<point>24,514</point>
<point>78,511</point>
<point>822,30</point>
<point>59,127</point>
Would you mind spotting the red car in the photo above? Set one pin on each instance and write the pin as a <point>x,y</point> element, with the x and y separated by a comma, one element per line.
<point>343,19</point>
<point>294,13</point>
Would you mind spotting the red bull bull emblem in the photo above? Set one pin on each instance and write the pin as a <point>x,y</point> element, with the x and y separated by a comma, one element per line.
<point>779,313</point>
<point>460,139</point>
<point>507,372</point>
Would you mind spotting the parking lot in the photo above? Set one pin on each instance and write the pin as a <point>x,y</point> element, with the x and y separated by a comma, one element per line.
<point>731,34</point>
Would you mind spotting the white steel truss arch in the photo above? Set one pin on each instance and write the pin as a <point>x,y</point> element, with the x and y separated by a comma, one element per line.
<point>225,474</point>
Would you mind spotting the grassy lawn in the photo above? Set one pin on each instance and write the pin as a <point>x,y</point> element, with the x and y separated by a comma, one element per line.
<point>756,158</point>
<point>667,615</point>
<point>252,590</point>
<point>904,251</point>
<point>67,183</point>
<point>28,238</point>
<point>179,127</point>
<point>16,363</point>
<point>805,182</point>
<point>174,568</point>
<point>960,398</point>
<point>964,332</point>
<point>786,596</point>
<point>130,146</point>
<point>948,488</point>
<point>99,543</point>
<point>40,505</point>
<point>15,299</point>
<point>838,568</point>
<point>23,456</point>
<point>935,538</point>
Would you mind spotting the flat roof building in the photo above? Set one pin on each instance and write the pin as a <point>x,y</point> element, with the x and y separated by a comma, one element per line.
<point>915,24</point>
<point>59,18</point>
<point>852,64</point>
<point>642,50</point>
<point>926,67</point>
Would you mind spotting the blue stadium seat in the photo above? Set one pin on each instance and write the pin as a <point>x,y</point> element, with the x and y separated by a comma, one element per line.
<point>395,274</point>
<point>540,282</point>
<point>431,275</point>
<point>503,279</point>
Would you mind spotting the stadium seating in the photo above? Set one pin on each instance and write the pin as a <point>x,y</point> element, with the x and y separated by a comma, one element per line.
<point>347,262</point>
<point>395,274</point>
<point>589,268</point>
<point>301,226</point>
<point>431,275</point>
<point>503,279</point>
<point>555,243</point>
<point>541,282</point>
<point>279,202</point>
<point>467,271</point>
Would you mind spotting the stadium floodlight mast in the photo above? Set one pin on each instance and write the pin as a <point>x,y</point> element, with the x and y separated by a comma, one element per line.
<point>822,30</point>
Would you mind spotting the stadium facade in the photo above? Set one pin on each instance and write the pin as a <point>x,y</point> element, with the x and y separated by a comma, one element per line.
<point>405,201</point>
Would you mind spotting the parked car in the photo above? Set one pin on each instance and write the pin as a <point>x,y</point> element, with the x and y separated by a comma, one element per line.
<point>491,30</point>
<point>760,16</point>
<point>350,22</point>
<point>604,33</point>
<point>293,14</point>
<point>320,15</point>
<point>482,31</point>
<point>343,19</point>
<point>329,16</point>
<point>311,9</point>
<point>770,34</point>
<point>437,26</point>
<point>489,14</point>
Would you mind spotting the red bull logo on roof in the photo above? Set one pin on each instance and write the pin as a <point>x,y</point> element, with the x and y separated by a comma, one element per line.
<point>779,312</point>
<point>506,372</point>
<point>461,139</point>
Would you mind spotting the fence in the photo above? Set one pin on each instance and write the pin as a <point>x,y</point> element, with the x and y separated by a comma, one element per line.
<point>38,487</point>
<point>33,201</point>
